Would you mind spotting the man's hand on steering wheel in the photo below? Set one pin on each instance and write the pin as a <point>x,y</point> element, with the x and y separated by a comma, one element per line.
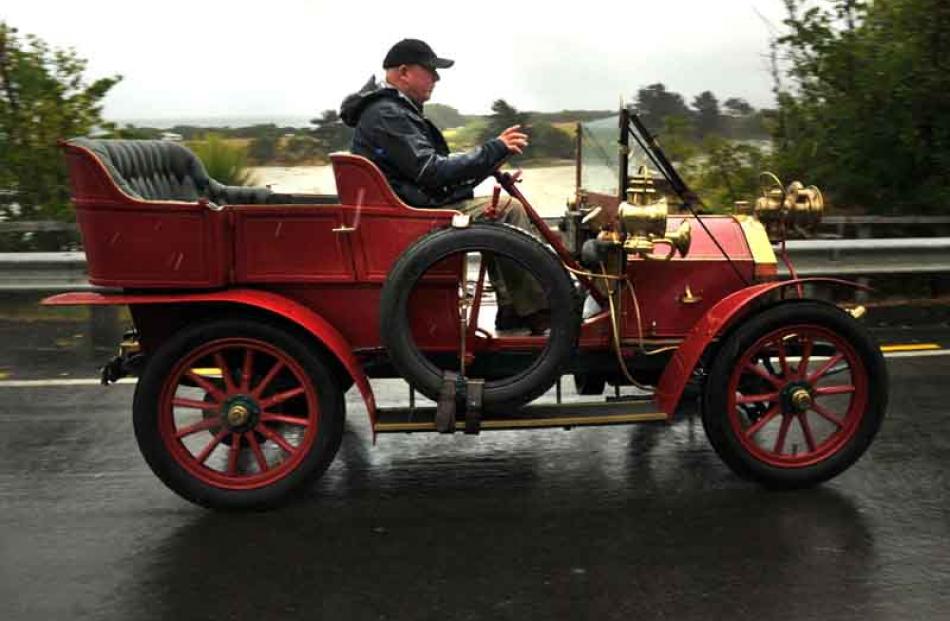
<point>514,139</point>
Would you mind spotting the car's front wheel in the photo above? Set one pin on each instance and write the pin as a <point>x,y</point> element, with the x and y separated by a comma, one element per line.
<point>795,395</point>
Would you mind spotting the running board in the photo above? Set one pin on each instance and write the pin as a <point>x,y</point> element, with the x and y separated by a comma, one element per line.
<point>537,416</point>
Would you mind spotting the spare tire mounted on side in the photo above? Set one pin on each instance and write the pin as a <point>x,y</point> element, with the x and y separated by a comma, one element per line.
<point>499,240</point>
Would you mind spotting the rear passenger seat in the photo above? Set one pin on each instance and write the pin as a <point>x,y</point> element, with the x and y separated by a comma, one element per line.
<point>159,170</point>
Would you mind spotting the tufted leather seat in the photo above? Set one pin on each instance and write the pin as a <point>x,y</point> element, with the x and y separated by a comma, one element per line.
<point>163,170</point>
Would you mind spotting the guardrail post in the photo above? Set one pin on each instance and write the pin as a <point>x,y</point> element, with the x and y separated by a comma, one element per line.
<point>861,295</point>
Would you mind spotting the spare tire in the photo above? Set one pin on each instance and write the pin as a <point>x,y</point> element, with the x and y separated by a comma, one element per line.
<point>500,240</point>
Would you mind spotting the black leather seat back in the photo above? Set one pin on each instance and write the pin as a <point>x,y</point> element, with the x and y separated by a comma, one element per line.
<point>161,170</point>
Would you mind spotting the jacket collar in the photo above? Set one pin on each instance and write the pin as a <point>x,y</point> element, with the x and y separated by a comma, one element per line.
<point>385,84</point>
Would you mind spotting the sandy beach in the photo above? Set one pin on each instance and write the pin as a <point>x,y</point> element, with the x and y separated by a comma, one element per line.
<point>547,188</point>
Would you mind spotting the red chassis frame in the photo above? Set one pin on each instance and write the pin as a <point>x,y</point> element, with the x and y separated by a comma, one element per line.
<point>322,267</point>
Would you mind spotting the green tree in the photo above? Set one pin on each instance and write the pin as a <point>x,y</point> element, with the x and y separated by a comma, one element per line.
<point>131,132</point>
<point>301,148</point>
<point>263,149</point>
<point>444,117</point>
<point>728,172</point>
<point>504,115</point>
<point>468,136</point>
<point>736,106</point>
<point>865,111</point>
<point>707,114</point>
<point>678,139</point>
<point>330,133</point>
<point>655,104</point>
<point>261,130</point>
<point>548,141</point>
<point>719,170</point>
<point>44,97</point>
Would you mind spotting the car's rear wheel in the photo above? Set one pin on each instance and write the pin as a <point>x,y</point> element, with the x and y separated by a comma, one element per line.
<point>237,414</point>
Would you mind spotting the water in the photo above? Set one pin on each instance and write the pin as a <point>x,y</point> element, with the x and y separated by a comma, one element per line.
<point>218,121</point>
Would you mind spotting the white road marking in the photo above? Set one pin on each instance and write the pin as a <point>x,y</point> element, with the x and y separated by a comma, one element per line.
<point>918,354</point>
<point>41,383</point>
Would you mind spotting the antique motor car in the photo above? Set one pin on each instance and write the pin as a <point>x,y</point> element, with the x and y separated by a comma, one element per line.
<point>255,311</point>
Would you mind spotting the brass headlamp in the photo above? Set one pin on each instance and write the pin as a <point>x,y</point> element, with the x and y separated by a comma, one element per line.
<point>795,207</point>
<point>643,221</point>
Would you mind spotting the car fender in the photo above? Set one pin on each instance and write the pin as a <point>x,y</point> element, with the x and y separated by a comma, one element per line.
<point>678,371</point>
<point>320,328</point>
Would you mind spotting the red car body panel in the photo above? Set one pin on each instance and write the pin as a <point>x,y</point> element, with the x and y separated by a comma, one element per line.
<point>131,242</point>
<point>678,370</point>
<point>299,314</point>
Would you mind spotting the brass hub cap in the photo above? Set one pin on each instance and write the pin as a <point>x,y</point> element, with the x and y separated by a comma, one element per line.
<point>239,412</point>
<point>801,399</point>
<point>237,415</point>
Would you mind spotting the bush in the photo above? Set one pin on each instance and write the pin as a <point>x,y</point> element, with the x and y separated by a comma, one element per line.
<point>131,132</point>
<point>224,161</point>
<point>299,149</point>
<point>466,137</point>
<point>728,172</point>
<point>547,141</point>
<point>263,149</point>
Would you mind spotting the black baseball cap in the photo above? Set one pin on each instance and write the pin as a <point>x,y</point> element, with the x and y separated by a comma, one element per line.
<point>414,52</point>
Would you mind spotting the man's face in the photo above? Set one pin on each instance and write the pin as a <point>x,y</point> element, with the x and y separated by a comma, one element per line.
<point>418,81</point>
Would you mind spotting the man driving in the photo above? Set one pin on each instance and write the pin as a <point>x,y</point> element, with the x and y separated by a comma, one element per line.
<point>393,132</point>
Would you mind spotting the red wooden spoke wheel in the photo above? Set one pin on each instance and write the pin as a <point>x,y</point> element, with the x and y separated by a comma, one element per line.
<point>257,416</point>
<point>795,394</point>
<point>809,405</point>
<point>238,413</point>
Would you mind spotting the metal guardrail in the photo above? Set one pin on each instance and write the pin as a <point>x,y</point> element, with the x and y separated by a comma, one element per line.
<point>827,222</point>
<point>861,226</point>
<point>66,271</point>
<point>862,257</point>
<point>43,271</point>
<point>37,226</point>
<point>895,220</point>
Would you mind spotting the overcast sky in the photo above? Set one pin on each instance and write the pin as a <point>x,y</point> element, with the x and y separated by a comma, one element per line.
<point>298,57</point>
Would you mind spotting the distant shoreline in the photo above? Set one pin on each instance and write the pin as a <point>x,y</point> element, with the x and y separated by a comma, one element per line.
<point>233,122</point>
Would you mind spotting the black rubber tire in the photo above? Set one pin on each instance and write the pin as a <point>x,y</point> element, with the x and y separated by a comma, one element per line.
<point>715,398</point>
<point>153,449</point>
<point>589,383</point>
<point>500,240</point>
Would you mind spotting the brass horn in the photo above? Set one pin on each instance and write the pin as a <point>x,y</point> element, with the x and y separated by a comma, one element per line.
<point>679,240</point>
<point>682,238</point>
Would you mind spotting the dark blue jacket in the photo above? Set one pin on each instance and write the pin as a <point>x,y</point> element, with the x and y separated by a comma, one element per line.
<point>411,151</point>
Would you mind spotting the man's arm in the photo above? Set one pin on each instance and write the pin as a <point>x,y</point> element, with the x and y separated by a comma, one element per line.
<point>408,148</point>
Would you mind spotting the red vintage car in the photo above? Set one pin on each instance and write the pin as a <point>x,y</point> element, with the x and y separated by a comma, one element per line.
<point>255,311</point>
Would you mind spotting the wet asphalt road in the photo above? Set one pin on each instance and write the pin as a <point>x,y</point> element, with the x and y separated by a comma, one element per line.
<point>612,523</point>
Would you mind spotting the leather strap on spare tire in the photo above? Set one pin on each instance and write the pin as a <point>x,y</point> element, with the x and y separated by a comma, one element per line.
<point>500,240</point>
